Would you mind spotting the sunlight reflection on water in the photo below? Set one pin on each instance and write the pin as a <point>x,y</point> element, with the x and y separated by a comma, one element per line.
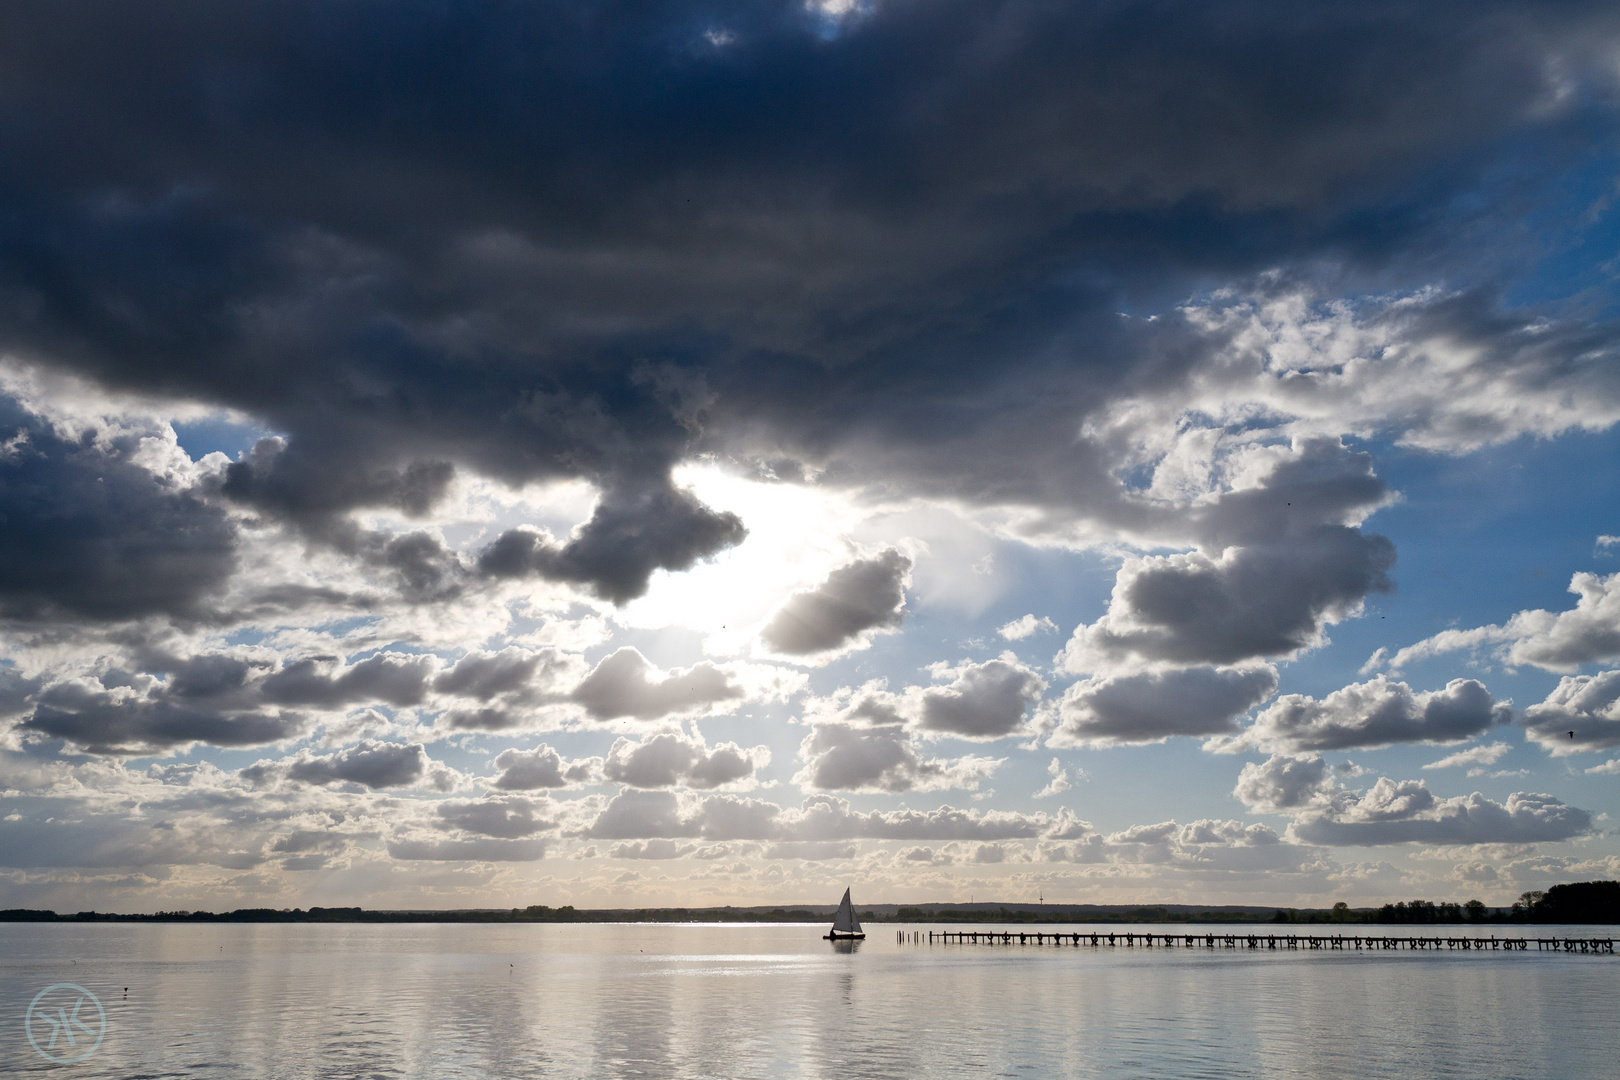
<point>484,1002</point>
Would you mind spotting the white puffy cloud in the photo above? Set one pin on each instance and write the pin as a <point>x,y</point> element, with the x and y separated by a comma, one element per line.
<point>474,849</point>
<point>1283,783</point>
<point>651,849</point>
<point>884,757</point>
<point>1581,713</point>
<point>974,701</point>
<point>864,597</point>
<point>1475,756</point>
<point>1027,626</point>
<point>625,684</point>
<point>1059,782</point>
<point>1156,705</point>
<point>1379,712</point>
<point>1399,812</point>
<point>506,817</point>
<point>1277,557</point>
<point>542,767</point>
<point>669,759</point>
<point>1557,641</point>
<point>1207,846</point>
<point>820,819</point>
<point>983,701</point>
<point>376,765</point>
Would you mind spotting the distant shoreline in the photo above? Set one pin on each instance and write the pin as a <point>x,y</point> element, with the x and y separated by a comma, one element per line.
<point>874,913</point>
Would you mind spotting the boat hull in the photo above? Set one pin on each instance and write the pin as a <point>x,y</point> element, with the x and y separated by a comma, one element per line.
<point>836,936</point>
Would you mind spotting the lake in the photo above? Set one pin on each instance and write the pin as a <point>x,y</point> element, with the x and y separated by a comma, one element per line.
<point>258,1002</point>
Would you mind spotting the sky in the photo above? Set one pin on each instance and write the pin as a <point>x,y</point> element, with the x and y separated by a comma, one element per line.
<point>637,453</point>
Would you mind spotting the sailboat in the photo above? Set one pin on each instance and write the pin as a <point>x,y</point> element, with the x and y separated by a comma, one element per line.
<point>846,927</point>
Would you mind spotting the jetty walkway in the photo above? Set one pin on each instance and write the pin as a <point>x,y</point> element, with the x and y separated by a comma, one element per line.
<point>1135,940</point>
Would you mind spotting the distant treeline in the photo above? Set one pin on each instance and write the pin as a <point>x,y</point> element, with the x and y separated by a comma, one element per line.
<point>533,913</point>
<point>1583,902</point>
<point>1580,902</point>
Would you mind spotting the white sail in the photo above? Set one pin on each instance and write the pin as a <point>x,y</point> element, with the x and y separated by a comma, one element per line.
<point>845,922</point>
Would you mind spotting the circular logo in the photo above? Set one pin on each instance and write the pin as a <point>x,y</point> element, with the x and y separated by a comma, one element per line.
<point>60,1027</point>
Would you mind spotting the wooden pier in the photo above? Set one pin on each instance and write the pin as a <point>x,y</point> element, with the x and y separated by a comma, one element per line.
<point>1331,942</point>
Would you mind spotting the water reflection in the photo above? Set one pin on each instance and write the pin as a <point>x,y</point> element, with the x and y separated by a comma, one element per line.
<point>484,1003</point>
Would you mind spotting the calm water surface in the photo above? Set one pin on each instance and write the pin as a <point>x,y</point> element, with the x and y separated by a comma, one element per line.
<point>666,1001</point>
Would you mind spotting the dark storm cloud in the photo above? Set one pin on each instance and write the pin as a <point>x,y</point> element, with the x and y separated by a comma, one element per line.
<point>539,241</point>
<point>868,594</point>
<point>87,534</point>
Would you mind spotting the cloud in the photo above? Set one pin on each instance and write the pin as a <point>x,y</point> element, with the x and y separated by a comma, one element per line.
<point>1076,315</point>
<point>1027,626</point>
<point>484,676</point>
<point>92,535</point>
<point>1059,782</point>
<point>542,767</point>
<point>1587,705</point>
<point>983,701</point>
<point>1487,754</point>
<point>626,684</point>
<point>1380,712</point>
<point>1399,812</point>
<point>1284,783</point>
<point>820,820</point>
<point>1157,705</point>
<point>396,678</point>
<point>846,757</point>
<point>652,849</point>
<point>1556,641</point>
<point>1206,846</point>
<point>1277,561</point>
<point>505,817</point>
<point>670,759</point>
<point>138,719</point>
<point>634,531</point>
<point>856,600</point>
<point>16,691</point>
<point>376,765</point>
<point>476,849</point>
<point>973,701</point>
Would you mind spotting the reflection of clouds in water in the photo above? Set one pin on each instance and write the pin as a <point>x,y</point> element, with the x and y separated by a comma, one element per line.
<point>775,1002</point>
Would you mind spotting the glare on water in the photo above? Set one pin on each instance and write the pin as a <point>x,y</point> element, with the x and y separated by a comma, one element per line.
<point>660,1000</point>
